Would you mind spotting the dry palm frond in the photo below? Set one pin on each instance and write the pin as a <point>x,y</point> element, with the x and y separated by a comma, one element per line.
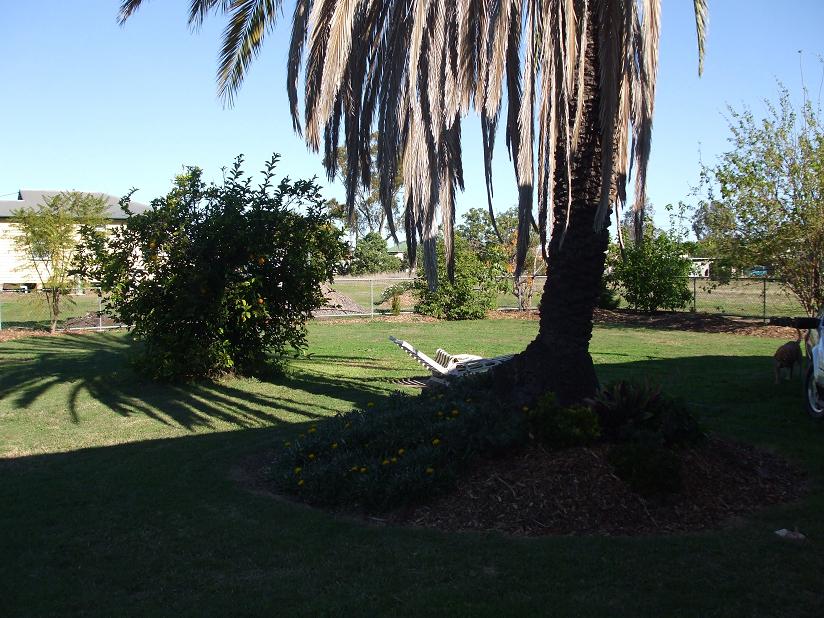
<point>410,70</point>
<point>700,30</point>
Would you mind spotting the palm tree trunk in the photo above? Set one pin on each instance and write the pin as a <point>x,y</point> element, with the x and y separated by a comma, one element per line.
<point>558,360</point>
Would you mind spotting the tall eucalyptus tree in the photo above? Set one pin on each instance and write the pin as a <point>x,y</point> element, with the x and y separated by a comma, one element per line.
<point>573,79</point>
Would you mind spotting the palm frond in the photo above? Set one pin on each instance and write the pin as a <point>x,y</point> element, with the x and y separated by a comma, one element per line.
<point>410,71</point>
<point>199,9</point>
<point>249,22</point>
<point>701,13</point>
<point>127,9</point>
<point>300,20</point>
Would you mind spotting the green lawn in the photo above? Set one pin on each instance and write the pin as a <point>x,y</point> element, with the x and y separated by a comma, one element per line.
<point>744,297</point>
<point>118,495</point>
<point>363,291</point>
<point>30,310</point>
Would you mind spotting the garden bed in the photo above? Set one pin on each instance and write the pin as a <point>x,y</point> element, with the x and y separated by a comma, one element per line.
<point>672,320</point>
<point>541,492</point>
<point>575,491</point>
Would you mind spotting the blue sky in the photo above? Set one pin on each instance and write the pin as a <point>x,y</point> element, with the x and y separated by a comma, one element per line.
<point>91,106</point>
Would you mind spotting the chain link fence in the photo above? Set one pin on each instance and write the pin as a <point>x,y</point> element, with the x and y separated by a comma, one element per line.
<point>742,297</point>
<point>79,310</point>
<point>364,297</point>
<point>756,297</point>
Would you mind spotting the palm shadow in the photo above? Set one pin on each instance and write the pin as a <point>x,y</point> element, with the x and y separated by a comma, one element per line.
<point>96,366</point>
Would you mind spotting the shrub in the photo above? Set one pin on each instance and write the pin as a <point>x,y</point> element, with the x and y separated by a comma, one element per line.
<point>469,296</point>
<point>561,427</point>
<point>629,411</point>
<point>648,469</point>
<point>394,293</point>
<point>653,275</point>
<point>215,279</point>
<point>608,298</point>
<point>370,256</point>
<point>382,457</point>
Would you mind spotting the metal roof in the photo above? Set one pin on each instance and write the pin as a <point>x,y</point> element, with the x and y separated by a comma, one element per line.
<point>28,199</point>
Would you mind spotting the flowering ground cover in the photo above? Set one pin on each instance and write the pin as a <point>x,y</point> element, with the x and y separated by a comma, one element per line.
<point>122,495</point>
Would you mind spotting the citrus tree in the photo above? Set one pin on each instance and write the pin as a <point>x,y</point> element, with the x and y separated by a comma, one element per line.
<point>216,279</point>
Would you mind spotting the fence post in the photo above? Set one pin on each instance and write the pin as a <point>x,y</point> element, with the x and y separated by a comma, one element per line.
<point>99,310</point>
<point>764,297</point>
<point>694,294</point>
<point>372,298</point>
<point>1,314</point>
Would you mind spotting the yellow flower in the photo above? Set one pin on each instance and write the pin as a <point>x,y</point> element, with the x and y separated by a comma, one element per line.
<point>525,408</point>
<point>385,462</point>
<point>401,451</point>
<point>394,460</point>
<point>430,470</point>
<point>436,442</point>
<point>298,469</point>
<point>362,470</point>
<point>353,469</point>
<point>311,456</point>
<point>370,404</point>
<point>300,483</point>
<point>334,445</point>
<point>455,412</point>
<point>313,429</point>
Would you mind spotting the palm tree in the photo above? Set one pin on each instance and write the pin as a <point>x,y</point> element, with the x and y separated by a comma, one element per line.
<point>578,77</point>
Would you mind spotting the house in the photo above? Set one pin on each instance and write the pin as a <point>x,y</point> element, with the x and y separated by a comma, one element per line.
<point>700,267</point>
<point>15,269</point>
<point>398,250</point>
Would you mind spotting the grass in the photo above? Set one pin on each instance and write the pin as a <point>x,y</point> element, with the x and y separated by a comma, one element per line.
<point>118,495</point>
<point>742,297</point>
<point>363,290</point>
<point>746,297</point>
<point>30,310</point>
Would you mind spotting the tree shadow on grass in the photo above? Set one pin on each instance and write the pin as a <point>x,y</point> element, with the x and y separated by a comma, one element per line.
<point>80,366</point>
<point>123,518</point>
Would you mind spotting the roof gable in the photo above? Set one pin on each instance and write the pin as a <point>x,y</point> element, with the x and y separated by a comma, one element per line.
<point>27,198</point>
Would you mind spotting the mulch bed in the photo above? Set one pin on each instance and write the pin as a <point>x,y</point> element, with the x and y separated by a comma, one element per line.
<point>575,492</point>
<point>91,320</point>
<point>7,334</point>
<point>697,322</point>
<point>338,303</point>
<point>672,320</point>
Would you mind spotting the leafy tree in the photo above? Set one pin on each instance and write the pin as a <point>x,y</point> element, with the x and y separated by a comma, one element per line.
<point>371,256</point>
<point>213,279</point>
<point>478,229</point>
<point>653,274</point>
<point>47,236</point>
<point>630,223</point>
<point>765,196</point>
<point>470,293</point>
<point>368,214</point>
<point>572,99</point>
